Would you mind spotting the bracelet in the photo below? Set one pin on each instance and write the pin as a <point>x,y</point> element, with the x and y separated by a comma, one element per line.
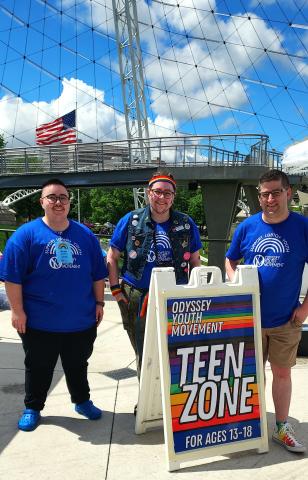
<point>115,290</point>
<point>102,304</point>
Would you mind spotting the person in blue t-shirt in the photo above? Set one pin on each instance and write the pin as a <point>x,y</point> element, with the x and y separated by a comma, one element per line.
<point>54,273</point>
<point>276,241</point>
<point>150,237</point>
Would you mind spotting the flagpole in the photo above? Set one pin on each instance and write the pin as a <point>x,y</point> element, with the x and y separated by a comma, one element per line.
<point>78,205</point>
<point>76,123</point>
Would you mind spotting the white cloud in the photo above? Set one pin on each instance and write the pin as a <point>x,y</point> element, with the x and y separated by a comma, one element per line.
<point>215,79</point>
<point>17,117</point>
<point>162,128</point>
<point>228,123</point>
<point>294,159</point>
<point>187,15</point>
<point>96,13</point>
<point>94,119</point>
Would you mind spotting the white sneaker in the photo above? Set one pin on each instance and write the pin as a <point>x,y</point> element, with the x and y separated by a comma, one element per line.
<point>286,437</point>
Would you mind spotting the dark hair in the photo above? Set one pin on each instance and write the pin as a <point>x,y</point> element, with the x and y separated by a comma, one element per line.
<point>274,175</point>
<point>163,171</point>
<point>54,181</point>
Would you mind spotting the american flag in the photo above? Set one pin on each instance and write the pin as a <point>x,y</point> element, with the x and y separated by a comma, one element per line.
<point>59,131</point>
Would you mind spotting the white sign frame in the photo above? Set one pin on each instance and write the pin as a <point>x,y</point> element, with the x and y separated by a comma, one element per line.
<point>154,407</point>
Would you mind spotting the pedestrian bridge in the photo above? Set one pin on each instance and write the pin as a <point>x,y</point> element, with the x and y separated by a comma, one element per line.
<point>189,152</point>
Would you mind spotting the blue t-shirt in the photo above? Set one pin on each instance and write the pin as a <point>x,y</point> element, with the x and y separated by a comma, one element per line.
<point>280,252</point>
<point>162,247</point>
<point>56,273</point>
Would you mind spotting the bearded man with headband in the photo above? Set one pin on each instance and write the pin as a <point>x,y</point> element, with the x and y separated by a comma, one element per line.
<point>154,236</point>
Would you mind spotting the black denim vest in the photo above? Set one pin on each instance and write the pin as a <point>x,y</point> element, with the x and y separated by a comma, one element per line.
<point>141,235</point>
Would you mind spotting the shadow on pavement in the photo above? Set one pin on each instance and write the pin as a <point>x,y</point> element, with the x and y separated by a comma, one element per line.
<point>98,432</point>
<point>250,460</point>
<point>12,389</point>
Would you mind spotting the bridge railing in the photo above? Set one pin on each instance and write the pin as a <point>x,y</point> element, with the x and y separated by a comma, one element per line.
<point>211,150</point>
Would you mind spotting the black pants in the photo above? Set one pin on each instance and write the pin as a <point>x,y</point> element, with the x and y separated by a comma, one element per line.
<point>42,350</point>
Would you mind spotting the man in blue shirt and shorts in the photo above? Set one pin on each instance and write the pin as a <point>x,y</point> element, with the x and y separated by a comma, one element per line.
<point>276,241</point>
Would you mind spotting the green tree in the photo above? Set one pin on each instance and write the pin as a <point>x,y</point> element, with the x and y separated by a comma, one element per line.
<point>2,142</point>
<point>195,208</point>
<point>190,202</point>
<point>182,199</point>
<point>84,203</point>
<point>4,194</point>
<point>109,205</point>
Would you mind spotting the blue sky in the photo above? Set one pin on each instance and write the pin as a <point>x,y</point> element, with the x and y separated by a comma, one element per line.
<point>209,67</point>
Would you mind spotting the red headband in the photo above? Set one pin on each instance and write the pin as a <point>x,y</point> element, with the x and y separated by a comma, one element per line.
<point>162,178</point>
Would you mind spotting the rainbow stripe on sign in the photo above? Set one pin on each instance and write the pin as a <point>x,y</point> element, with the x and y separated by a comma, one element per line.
<point>214,393</point>
<point>216,317</point>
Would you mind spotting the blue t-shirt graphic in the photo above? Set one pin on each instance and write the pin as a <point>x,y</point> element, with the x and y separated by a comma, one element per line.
<point>56,272</point>
<point>280,252</point>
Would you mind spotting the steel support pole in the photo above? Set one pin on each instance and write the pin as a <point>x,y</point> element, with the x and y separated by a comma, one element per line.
<point>219,201</point>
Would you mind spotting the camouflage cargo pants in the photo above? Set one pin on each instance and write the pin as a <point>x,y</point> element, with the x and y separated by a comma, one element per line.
<point>133,323</point>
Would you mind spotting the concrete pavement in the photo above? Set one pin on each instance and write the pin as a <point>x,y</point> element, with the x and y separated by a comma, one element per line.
<point>68,446</point>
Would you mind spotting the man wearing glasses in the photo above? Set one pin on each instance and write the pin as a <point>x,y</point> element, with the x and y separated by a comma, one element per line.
<point>276,241</point>
<point>54,274</point>
<point>150,237</point>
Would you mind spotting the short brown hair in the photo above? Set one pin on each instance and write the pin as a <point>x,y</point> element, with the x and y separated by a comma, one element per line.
<point>274,175</point>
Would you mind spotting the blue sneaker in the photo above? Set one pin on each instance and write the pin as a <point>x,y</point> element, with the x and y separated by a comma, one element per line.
<point>87,409</point>
<point>29,420</point>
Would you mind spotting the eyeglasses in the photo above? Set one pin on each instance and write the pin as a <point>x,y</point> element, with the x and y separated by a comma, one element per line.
<point>63,199</point>
<point>162,193</point>
<point>274,193</point>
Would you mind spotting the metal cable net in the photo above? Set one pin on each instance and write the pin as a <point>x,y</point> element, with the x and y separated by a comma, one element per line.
<point>210,67</point>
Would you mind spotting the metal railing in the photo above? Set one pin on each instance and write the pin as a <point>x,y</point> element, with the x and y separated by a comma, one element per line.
<point>182,151</point>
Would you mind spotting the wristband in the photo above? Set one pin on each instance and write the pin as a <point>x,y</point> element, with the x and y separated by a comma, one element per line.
<point>115,290</point>
<point>102,304</point>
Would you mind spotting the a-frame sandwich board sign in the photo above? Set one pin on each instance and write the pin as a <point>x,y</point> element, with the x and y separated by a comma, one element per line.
<point>202,371</point>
